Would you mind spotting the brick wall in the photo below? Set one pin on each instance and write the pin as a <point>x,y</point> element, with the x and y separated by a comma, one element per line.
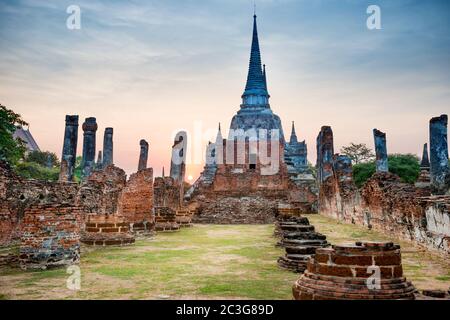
<point>136,200</point>
<point>50,236</point>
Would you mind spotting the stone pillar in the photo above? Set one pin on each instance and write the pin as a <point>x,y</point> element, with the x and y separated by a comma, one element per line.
<point>381,151</point>
<point>178,162</point>
<point>143,155</point>
<point>88,162</point>
<point>425,163</point>
<point>69,152</point>
<point>325,152</point>
<point>99,164</point>
<point>439,169</point>
<point>108,148</point>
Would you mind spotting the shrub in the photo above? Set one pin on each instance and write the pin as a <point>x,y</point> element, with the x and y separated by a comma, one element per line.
<point>32,170</point>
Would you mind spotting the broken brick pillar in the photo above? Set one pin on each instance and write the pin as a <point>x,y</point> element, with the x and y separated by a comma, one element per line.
<point>381,151</point>
<point>136,201</point>
<point>178,161</point>
<point>108,148</point>
<point>143,155</point>
<point>325,152</point>
<point>439,169</point>
<point>363,271</point>
<point>89,144</point>
<point>50,236</point>
<point>69,152</point>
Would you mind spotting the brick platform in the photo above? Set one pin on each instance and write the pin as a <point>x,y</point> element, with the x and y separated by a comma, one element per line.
<point>346,273</point>
<point>184,218</point>
<point>107,230</point>
<point>165,219</point>
<point>50,237</point>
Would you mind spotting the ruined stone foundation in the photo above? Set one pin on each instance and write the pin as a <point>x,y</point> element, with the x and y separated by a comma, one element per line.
<point>107,230</point>
<point>300,241</point>
<point>166,219</point>
<point>184,218</point>
<point>349,272</point>
<point>50,236</point>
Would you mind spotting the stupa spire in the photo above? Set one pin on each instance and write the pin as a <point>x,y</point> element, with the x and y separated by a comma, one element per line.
<point>255,93</point>
<point>293,134</point>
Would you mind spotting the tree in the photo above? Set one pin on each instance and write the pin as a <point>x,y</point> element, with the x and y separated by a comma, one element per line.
<point>33,170</point>
<point>358,153</point>
<point>44,158</point>
<point>78,169</point>
<point>11,150</point>
<point>362,172</point>
<point>406,166</point>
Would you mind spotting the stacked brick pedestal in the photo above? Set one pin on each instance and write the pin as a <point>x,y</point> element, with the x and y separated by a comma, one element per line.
<point>50,237</point>
<point>184,218</point>
<point>367,270</point>
<point>166,219</point>
<point>300,241</point>
<point>107,230</point>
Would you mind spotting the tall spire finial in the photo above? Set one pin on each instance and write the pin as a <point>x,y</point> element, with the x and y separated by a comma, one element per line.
<point>254,8</point>
<point>293,134</point>
<point>163,173</point>
<point>219,127</point>
<point>255,79</point>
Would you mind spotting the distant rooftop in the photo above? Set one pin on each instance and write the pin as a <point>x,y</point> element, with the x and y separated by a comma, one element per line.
<point>26,136</point>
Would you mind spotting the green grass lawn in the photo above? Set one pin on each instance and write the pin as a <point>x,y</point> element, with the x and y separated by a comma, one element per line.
<point>203,262</point>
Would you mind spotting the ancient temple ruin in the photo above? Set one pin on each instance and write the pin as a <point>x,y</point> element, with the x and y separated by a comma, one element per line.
<point>385,203</point>
<point>249,173</point>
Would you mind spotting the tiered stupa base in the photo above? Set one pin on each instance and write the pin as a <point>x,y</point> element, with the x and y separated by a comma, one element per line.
<point>300,241</point>
<point>349,272</point>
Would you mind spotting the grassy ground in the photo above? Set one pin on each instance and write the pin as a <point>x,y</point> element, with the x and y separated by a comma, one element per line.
<point>204,262</point>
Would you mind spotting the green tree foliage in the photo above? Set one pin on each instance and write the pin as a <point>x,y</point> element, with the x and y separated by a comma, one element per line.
<point>11,150</point>
<point>43,158</point>
<point>33,170</point>
<point>358,152</point>
<point>78,170</point>
<point>362,172</point>
<point>406,166</point>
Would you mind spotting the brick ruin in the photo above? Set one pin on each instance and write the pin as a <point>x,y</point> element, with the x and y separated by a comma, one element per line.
<point>136,201</point>
<point>252,171</point>
<point>246,190</point>
<point>49,219</point>
<point>166,203</point>
<point>363,271</point>
<point>385,203</point>
<point>50,236</point>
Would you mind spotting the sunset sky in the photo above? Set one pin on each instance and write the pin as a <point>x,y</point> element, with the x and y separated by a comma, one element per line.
<point>151,68</point>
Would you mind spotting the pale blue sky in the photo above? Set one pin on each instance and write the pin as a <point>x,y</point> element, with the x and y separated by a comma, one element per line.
<point>148,68</point>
